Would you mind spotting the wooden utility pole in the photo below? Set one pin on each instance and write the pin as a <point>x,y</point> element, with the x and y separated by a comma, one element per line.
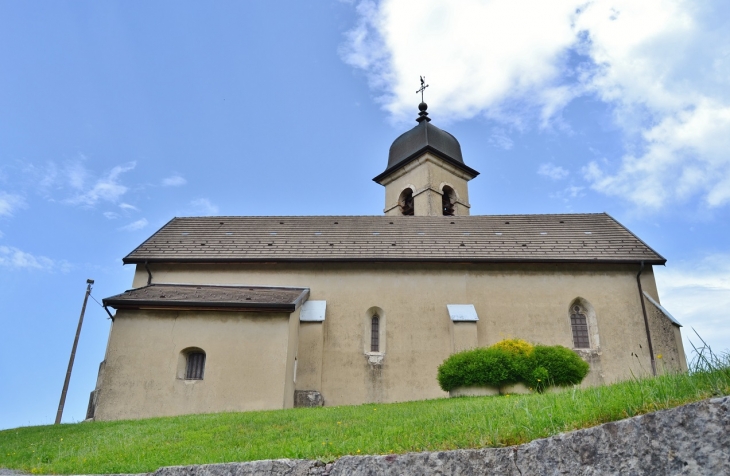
<point>59,413</point>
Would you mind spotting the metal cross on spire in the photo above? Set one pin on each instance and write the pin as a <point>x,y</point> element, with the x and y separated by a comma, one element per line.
<point>423,87</point>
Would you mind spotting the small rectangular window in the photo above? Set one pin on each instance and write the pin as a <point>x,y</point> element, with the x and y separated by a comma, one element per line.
<point>195,367</point>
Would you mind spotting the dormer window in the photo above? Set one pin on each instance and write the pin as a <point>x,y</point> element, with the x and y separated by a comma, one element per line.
<point>406,202</point>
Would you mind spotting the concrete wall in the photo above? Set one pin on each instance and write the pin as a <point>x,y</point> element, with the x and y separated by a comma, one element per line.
<point>249,363</point>
<point>528,301</point>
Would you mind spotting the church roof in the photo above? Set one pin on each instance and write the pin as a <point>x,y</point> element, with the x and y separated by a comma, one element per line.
<point>230,298</point>
<point>583,237</point>
<point>425,137</point>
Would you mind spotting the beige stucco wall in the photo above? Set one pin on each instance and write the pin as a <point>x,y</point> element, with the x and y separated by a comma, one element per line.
<point>464,336</point>
<point>528,301</point>
<point>427,176</point>
<point>666,340</point>
<point>249,363</point>
<point>309,364</point>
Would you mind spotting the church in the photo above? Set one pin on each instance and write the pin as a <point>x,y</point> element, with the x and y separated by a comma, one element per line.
<point>238,313</point>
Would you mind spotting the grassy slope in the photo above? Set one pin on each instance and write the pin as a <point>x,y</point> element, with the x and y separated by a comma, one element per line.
<point>326,433</point>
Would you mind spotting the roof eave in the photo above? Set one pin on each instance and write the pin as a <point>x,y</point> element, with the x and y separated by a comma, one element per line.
<point>189,306</point>
<point>653,261</point>
<point>200,305</point>
<point>378,179</point>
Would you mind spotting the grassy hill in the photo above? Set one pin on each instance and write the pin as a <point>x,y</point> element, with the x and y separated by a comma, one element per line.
<point>327,433</point>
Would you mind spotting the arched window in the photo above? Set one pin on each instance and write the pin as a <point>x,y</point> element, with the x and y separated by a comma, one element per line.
<point>375,333</point>
<point>195,365</point>
<point>448,198</point>
<point>406,202</point>
<point>579,326</point>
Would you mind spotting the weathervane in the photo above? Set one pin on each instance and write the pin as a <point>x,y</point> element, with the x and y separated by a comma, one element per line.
<point>423,87</point>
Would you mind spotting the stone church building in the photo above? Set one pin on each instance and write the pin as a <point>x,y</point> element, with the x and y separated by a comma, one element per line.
<point>240,313</point>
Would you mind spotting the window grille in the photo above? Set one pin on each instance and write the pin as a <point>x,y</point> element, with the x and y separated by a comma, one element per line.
<point>579,325</point>
<point>375,333</point>
<point>195,366</point>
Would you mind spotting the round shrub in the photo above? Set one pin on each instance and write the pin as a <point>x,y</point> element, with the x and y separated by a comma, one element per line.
<point>511,361</point>
<point>482,366</point>
<point>564,367</point>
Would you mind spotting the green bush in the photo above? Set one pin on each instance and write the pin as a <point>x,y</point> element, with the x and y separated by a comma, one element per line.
<point>563,366</point>
<point>512,361</point>
<point>482,366</point>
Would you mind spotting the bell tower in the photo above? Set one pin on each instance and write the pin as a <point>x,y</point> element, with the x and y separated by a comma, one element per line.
<point>426,174</point>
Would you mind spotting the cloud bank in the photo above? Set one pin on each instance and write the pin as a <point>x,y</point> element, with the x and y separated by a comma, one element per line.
<point>663,66</point>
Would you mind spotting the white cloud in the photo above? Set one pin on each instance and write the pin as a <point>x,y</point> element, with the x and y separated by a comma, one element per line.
<point>663,66</point>
<point>70,175</point>
<point>174,181</point>
<point>135,225</point>
<point>499,138</point>
<point>14,258</point>
<point>111,215</point>
<point>574,191</point>
<point>10,203</point>
<point>552,171</point>
<point>698,295</point>
<point>476,55</point>
<point>127,206</point>
<point>203,206</point>
<point>107,188</point>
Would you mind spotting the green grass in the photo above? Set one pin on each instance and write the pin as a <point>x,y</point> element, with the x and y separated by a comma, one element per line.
<point>327,433</point>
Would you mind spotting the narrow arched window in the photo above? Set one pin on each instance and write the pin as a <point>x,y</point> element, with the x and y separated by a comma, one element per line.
<point>406,202</point>
<point>375,333</point>
<point>447,201</point>
<point>195,365</point>
<point>579,326</point>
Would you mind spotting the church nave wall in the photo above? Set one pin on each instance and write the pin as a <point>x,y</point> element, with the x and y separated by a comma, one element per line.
<point>527,301</point>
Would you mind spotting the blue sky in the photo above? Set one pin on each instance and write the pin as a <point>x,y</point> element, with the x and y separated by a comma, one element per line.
<point>117,116</point>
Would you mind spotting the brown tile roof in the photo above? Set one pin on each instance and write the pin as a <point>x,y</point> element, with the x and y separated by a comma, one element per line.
<point>594,237</point>
<point>189,296</point>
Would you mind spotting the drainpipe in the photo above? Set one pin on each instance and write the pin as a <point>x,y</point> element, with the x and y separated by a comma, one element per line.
<point>149,273</point>
<point>646,320</point>
<point>111,316</point>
